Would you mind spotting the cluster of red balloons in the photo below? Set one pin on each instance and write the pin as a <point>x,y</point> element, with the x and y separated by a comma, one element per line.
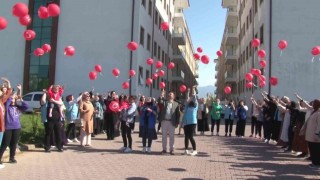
<point>21,11</point>
<point>46,48</point>
<point>93,74</point>
<point>52,10</point>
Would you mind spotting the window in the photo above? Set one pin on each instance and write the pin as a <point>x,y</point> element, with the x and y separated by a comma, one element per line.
<point>169,38</point>
<point>140,80</point>
<point>250,16</point>
<point>255,7</point>
<point>158,79</point>
<point>37,97</point>
<point>150,8</point>
<point>154,83</point>
<point>142,36</point>
<point>250,50</point>
<point>247,53</point>
<point>155,49</point>
<point>244,29</point>
<point>27,97</point>
<point>162,56</point>
<point>159,51</point>
<point>261,34</point>
<point>160,21</point>
<point>165,58</point>
<point>165,4</point>
<point>143,2</point>
<point>147,76</point>
<point>156,18</point>
<point>261,1</point>
<point>148,42</point>
<point>247,22</point>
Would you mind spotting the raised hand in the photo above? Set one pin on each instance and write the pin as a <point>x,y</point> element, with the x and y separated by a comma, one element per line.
<point>19,86</point>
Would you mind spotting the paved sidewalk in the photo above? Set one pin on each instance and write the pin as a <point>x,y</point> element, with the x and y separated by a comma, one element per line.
<point>219,158</point>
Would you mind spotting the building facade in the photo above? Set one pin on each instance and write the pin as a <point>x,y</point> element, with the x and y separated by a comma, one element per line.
<point>270,21</point>
<point>100,34</point>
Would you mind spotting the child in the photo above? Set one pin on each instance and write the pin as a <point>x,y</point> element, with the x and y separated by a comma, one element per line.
<point>55,92</point>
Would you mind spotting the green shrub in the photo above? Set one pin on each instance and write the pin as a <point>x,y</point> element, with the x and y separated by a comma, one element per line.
<point>32,129</point>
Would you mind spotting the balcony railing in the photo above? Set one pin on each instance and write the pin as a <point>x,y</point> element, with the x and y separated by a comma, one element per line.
<point>229,74</point>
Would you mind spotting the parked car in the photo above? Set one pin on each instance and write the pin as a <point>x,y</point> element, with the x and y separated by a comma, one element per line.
<point>33,99</point>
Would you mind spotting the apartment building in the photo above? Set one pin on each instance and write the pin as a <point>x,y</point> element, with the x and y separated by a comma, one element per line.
<point>270,21</point>
<point>100,34</point>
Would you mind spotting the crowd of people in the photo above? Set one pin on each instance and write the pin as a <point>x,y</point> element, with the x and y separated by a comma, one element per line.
<point>294,125</point>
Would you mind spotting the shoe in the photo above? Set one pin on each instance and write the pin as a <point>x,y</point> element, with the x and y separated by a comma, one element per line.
<point>284,147</point>
<point>148,149</point>
<point>307,158</point>
<point>69,141</point>
<point>251,135</point>
<point>287,150</point>
<point>255,137</point>
<point>226,135</point>
<point>302,155</point>
<point>171,153</point>
<point>123,148</point>
<point>92,135</point>
<point>312,166</point>
<point>128,150</point>
<point>13,161</point>
<point>194,153</point>
<point>75,140</point>
<point>144,149</point>
<point>266,141</point>
<point>47,150</point>
<point>88,145</point>
<point>60,150</point>
<point>242,136</point>
<point>164,152</point>
<point>230,135</point>
<point>1,166</point>
<point>186,152</point>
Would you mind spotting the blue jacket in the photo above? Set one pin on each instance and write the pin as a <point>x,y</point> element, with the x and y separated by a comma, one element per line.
<point>72,111</point>
<point>190,113</point>
<point>242,113</point>
<point>98,107</point>
<point>150,115</point>
<point>44,112</point>
<point>229,112</point>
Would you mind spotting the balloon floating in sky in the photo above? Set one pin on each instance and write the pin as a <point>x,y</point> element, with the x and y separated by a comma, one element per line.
<point>29,35</point>
<point>159,64</point>
<point>125,85</point>
<point>219,53</point>
<point>227,89</point>
<point>43,12</point>
<point>92,75</point>
<point>132,73</point>
<point>25,20</point>
<point>38,52</point>
<point>263,63</point>
<point>262,53</point>
<point>196,56</point>
<point>149,61</point>
<point>162,85</point>
<point>200,50</point>
<point>205,59</point>
<point>132,46</point>
<point>161,73</point>
<point>3,23</point>
<point>116,72</point>
<point>53,10</point>
<point>171,65</point>
<point>165,26</point>
<point>20,10</point>
<point>255,42</point>
<point>98,68</point>
<point>69,51</point>
<point>183,88</point>
<point>149,81</point>
<point>46,48</point>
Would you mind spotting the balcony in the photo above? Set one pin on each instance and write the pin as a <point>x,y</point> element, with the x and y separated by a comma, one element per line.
<point>178,18</point>
<point>230,77</point>
<point>229,3</point>
<point>178,56</point>
<point>181,3</point>
<point>232,17</point>
<point>178,37</point>
<point>177,76</point>
<point>231,57</point>
<point>231,36</point>
<point>216,67</point>
<point>216,76</point>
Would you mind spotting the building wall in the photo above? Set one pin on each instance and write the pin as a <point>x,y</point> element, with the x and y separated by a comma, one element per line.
<point>12,46</point>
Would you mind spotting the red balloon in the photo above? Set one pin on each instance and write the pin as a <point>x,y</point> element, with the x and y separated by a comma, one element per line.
<point>273,80</point>
<point>199,49</point>
<point>282,44</point>
<point>132,73</point>
<point>43,12</point>
<point>29,35</point>
<point>255,42</point>
<point>205,59</point>
<point>171,65</point>
<point>53,10</point>
<point>38,52</point>
<point>219,53</point>
<point>262,53</point>
<point>125,85</point>
<point>114,106</point>
<point>92,75</point>
<point>3,23</point>
<point>155,76</point>
<point>162,85</point>
<point>161,73</point>
<point>149,81</point>
<point>165,26</point>
<point>183,88</point>
<point>262,78</point>
<point>20,9</point>
<point>25,20</point>
<point>263,63</point>
<point>46,48</point>
<point>98,68</point>
<point>69,51</point>
<point>159,64</point>
<point>132,46</point>
<point>249,85</point>
<point>315,50</point>
<point>262,84</point>
<point>258,72</point>
<point>116,72</point>
<point>149,61</point>
<point>227,89</point>
<point>253,71</point>
<point>249,77</point>
<point>196,56</point>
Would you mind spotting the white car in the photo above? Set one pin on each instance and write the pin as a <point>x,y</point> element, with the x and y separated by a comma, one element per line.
<point>33,100</point>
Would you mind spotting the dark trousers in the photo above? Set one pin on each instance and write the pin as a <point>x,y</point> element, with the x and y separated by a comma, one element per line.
<point>10,138</point>
<point>126,134</point>
<point>267,129</point>
<point>241,125</point>
<point>99,126</point>
<point>290,137</point>
<point>253,125</point>
<point>52,126</point>
<point>144,142</point>
<point>188,135</point>
<point>228,125</point>
<point>314,149</point>
<point>109,125</point>
<point>276,130</point>
<point>159,125</point>
<point>214,122</point>
<point>133,124</point>
<point>258,128</point>
<point>71,129</point>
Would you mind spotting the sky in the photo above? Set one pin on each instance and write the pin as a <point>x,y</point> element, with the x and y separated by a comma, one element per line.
<point>206,22</point>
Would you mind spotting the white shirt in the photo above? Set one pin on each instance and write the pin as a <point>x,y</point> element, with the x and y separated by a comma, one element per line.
<point>168,111</point>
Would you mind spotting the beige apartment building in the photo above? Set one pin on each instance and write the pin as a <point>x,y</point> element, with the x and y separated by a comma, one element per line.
<point>270,21</point>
